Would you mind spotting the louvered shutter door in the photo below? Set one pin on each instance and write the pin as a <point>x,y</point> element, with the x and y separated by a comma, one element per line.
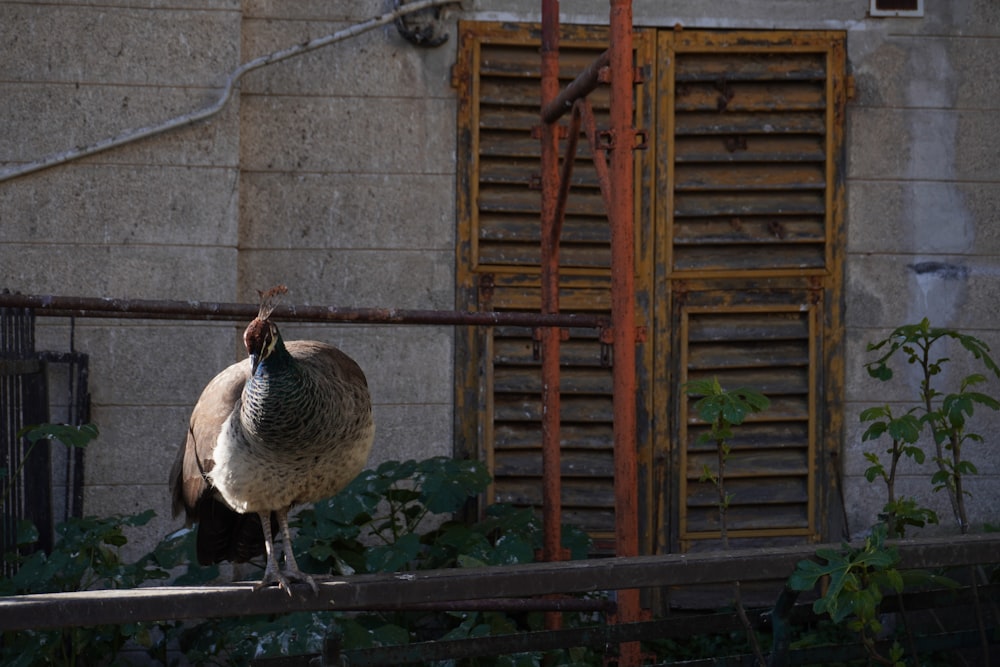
<point>750,146</point>
<point>499,245</point>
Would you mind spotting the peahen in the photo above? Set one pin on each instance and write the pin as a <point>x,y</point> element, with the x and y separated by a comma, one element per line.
<point>292,424</point>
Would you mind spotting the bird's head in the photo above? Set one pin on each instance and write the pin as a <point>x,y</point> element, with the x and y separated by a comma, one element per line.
<point>261,336</point>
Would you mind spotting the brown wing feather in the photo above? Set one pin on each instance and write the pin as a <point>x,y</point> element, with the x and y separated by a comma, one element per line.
<point>330,358</point>
<point>222,533</point>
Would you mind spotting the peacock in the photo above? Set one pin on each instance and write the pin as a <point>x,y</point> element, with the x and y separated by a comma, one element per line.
<point>291,424</point>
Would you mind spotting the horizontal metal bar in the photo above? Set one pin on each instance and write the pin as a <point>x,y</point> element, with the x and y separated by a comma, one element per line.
<point>395,591</point>
<point>73,306</point>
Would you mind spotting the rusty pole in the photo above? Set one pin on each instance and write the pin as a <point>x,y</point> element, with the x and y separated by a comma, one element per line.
<point>551,228</point>
<point>622,213</point>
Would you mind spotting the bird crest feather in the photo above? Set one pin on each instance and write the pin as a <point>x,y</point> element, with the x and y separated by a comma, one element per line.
<point>269,300</point>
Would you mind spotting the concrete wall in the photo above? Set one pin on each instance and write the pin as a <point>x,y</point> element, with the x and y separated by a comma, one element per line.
<point>334,173</point>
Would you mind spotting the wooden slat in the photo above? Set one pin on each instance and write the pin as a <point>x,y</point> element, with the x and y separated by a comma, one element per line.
<point>759,464</point>
<point>762,354</point>
<point>738,176</point>
<point>582,355</point>
<point>696,123</point>
<point>576,229</point>
<point>775,517</point>
<point>753,435</point>
<point>572,380</point>
<point>573,463</point>
<point>521,407</point>
<point>748,203</point>
<point>750,66</point>
<point>750,229</point>
<point>757,491</point>
<point>517,61</point>
<point>528,255</point>
<point>578,493</point>
<point>749,148</point>
<point>526,435</point>
<point>748,326</point>
<point>736,256</point>
<point>521,200</point>
<point>725,96</point>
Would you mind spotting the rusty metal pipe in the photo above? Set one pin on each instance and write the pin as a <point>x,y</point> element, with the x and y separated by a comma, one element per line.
<point>622,215</point>
<point>569,158</point>
<point>551,227</point>
<point>73,306</point>
<point>577,89</point>
<point>586,112</point>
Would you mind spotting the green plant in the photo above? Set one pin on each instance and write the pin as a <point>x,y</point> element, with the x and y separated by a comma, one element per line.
<point>722,410</point>
<point>71,436</point>
<point>87,555</point>
<point>904,431</point>
<point>858,580</point>
<point>946,415</point>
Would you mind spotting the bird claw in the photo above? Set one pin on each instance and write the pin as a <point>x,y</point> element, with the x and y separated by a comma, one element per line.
<point>285,579</point>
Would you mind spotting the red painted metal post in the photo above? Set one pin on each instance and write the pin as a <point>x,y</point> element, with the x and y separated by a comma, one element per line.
<point>622,134</point>
<point>551,226</point>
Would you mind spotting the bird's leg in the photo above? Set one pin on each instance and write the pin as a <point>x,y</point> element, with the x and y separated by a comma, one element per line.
<point>292,570</point>
<point>272,573</point>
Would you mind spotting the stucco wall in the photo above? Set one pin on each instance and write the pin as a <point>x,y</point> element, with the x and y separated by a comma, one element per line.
<point>334,173</point>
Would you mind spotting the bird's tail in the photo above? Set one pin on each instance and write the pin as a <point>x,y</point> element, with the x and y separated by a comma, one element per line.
<point>224,534</point>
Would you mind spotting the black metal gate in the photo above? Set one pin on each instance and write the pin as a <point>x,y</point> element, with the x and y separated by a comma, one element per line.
<point>40,483</point>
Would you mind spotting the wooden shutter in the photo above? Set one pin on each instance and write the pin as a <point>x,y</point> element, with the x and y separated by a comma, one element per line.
<point>739,245</point>
<point>749,138</point>
<point>499,400</point>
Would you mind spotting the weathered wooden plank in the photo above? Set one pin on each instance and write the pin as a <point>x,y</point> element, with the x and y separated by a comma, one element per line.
<point>572,380</point>
<point>743,176</point>
<point>754,464</point>
<point>577,229</point>
<point>727,96</point>
<point>763,491</point>
<point>573,463</point>
<point>749,148</point>
<point>771,517</point>
<point>748,326</point>
<point>521,200</point>
<point>528,254</point>
<point>744,257</point>
<point>765,229</point>
<point>513,435</point>
<point>522,61</point>
<point>732,203</point>
<point>394,591</point>
<point>572,353</point>
<point>799,122</point>
<point>750,66</point>
<point>526,94</point>
<point>519,172</point>
<point>582,494</point>
<point>781,380</point>
<point>521,407</point>
<point>763,354</point>
<point>754,435</point>
<point>516,144</point>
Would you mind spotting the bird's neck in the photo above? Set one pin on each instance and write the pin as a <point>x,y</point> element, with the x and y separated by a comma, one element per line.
<point>276,384</point>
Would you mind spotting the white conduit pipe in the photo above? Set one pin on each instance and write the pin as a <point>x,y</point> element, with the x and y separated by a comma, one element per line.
<point>227,92</point>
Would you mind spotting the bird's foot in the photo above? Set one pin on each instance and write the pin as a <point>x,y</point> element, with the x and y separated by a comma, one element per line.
<point>274,576</point>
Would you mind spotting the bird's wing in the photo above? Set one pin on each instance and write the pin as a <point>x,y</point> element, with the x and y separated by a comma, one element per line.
<point>194,457</point>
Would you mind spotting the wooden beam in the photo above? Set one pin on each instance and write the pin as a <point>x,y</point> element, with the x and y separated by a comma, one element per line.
<point>400,590</point>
